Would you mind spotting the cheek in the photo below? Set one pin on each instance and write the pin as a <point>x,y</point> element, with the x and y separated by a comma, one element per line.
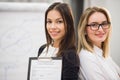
<point>47,28</point>
<point>90,34</point>
<point>107,33</point>
<point>62,32</point>
<point>62,28</point>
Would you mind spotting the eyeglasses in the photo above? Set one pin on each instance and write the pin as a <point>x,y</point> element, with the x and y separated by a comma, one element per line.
<point>96,26</point>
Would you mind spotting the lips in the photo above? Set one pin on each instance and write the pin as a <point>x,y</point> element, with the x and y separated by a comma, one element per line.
<point>54,33</point>
<point>100,35</point>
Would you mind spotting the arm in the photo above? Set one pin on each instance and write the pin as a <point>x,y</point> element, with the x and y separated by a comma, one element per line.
<point>117,68</point>
<point>70,66</point>
<point>90,67</point>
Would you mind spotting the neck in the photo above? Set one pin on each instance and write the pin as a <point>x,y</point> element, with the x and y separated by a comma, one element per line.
<point>56,44</point>
<point>99,45</point>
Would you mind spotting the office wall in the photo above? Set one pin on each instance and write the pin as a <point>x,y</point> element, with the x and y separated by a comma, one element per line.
<point>21,35</point>
<point>113,7</point>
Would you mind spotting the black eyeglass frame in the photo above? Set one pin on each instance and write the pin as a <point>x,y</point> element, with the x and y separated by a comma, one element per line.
<point>97,26</point>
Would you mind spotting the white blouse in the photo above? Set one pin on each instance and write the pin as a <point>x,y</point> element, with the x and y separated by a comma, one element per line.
<point>93,66</point>
<point>51,52</point>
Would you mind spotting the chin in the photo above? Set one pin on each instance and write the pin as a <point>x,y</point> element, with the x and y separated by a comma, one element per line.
<point>100,41</point>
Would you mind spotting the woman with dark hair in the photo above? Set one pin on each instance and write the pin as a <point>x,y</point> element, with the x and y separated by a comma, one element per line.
<point>60,36</point>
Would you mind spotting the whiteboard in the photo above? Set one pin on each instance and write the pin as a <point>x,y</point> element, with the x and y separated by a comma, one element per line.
<point>21,35</point>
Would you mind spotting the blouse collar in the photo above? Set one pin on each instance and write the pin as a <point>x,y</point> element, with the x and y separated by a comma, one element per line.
<point>98,51</point>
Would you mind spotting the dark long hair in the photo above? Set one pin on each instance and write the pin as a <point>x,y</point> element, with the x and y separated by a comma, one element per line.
<point>68,41</point>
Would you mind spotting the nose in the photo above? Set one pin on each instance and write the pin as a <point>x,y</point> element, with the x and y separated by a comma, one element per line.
<point>100,28</point>
<point>53,25</point>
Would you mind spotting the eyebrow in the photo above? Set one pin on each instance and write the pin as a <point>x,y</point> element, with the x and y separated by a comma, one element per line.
<point>56,19</point>
<point>98,22</point>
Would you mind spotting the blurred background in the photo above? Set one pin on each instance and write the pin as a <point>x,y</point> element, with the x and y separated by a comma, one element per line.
<point>22,31</point>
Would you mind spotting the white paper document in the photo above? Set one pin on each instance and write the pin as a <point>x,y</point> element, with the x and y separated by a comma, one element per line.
<point>44,68</point>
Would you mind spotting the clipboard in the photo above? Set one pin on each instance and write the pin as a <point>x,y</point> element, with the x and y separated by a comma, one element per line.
<point>44,68</point>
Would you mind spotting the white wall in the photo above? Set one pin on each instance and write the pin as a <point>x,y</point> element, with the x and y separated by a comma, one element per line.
<point>21,35</point>
<point>113,7</point>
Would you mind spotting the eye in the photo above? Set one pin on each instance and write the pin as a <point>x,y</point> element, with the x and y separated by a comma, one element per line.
<point>105,23</point>
<point>49,21</point>
<point>94,25</point>
<point>60,21</point>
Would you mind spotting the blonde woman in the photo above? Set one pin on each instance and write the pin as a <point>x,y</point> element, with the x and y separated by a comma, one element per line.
<point>93,46</point>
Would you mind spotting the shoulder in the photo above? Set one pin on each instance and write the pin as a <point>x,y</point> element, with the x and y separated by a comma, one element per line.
<point>41,49</point>
<point>42,46</point>
<point>71,57</point>
<point>70,53</point>
<point>87,56</point>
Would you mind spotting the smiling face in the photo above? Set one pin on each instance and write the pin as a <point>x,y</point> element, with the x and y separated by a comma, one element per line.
<point>98,36</point>
<point>55,26</point>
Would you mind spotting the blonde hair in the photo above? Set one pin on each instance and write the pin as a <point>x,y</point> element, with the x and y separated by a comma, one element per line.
<point>83,41</point>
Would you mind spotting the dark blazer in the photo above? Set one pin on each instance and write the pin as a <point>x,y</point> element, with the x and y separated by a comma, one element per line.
<point>70,64</point>
<point>70,67</point>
